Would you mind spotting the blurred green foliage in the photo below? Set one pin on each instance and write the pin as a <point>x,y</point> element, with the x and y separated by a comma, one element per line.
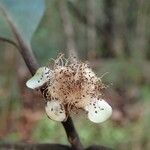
<point>29,12</point>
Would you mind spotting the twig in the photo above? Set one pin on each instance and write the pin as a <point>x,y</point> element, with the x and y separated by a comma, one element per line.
<point>24,47</point>
<point>72,135</point>
<point>28,56</point>
<point>9,41</point>
<point>24,146</point>
<point>105,30</point>
<point>68,29</point>
<point>82,17</point>
<point>45,146</point>
<point>76,12</point>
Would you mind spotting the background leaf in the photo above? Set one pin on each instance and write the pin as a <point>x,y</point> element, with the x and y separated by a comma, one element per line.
<point>26,13</point>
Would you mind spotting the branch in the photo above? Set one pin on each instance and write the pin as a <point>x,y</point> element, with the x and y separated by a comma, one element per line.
<point>68,29</point>
<point>24,47</point>
<point>82,17</point>
<point>45,146</point>
<point>72,135</point>
<point>97,147</point>
<point>105,30</point>
<point>23,146</point>
<point>29,58</point>
<point>91,29</point>
<point>76,12</point>
<point>9,41</point>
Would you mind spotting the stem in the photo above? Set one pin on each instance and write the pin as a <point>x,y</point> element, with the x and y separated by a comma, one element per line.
<point>9,41</point>
<point>24,47</point>
<point>72,135</point>
<point>68,29</point>
<point>23,146</point>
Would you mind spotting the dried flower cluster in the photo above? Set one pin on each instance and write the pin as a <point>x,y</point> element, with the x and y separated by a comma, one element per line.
<point>69,87</point>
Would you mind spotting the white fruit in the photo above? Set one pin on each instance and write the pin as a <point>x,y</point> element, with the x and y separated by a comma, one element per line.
<point>42,75</point>
<point>98,110</point>
<point>55,110</point>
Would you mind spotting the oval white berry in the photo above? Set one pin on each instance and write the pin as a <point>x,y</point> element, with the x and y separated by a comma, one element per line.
<point>98,110</point>
<point>42,75</point>
<point>55,110</point>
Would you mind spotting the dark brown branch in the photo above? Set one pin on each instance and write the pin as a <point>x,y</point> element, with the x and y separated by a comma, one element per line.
<point>72,135</point>
<point>108,29</point>
<point>45,146</point>
<point>9,41</point>
<point>28,56</point>
<point>82,17</point>
<point>24,47</point>
<point>28,146</point>
<point>68,29</point>
<point>97,147</point>
<point>105,30</point>
<point>91,29</point>
<point>76,12</point>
